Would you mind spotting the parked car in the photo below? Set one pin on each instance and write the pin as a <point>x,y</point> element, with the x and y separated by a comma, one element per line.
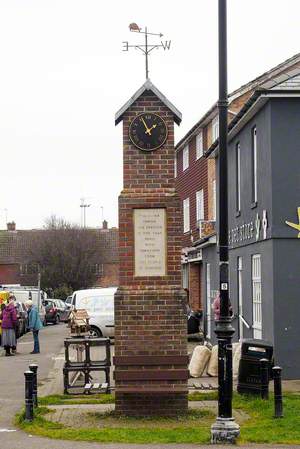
<point>68,302</point>
<point>62,310</point>
<point>22,317</point>
<point>52,315</point>
<point>99,304</point>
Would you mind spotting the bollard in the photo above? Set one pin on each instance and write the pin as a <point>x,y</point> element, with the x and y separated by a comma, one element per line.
<point>28,395</point>
<point>277,391</point>
<point>33,367</point>
<point>264,378</point>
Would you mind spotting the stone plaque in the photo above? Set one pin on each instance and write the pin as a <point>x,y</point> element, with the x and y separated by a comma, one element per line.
<point>150,242</point>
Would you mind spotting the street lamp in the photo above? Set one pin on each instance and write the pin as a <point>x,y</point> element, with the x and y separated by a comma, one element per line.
<point>225,429</point>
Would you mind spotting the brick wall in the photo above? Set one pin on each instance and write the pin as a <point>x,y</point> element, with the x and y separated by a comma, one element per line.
<point>150,322</point>
<point>188,182</point>
<point>9,274</point>
<point>110,276</point>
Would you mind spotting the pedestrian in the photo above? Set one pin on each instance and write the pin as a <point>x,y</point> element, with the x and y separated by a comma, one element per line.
<point>13,299</point>
<point>217,307</point>
<point>34,324</point>
<point>9,324</point>
<point>2,307</point>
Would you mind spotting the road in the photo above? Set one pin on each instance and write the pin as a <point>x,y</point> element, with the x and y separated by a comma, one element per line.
<point>12,398</point>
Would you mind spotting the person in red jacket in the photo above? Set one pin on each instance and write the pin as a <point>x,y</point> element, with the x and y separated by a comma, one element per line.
<point>9,323</point>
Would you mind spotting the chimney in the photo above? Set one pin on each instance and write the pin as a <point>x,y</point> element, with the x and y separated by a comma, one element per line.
<point>104,224</point>
<point>11,226</point>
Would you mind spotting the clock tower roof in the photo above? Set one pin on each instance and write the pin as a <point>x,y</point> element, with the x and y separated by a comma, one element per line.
<point>148,86</point>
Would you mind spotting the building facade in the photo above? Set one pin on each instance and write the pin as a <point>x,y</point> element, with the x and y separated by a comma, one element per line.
<point>263,220</point>
<point>16,255</point>
<point>196,172</point>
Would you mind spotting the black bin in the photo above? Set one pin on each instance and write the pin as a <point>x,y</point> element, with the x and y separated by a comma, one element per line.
<point>252,351</point>
<point>193,323</point>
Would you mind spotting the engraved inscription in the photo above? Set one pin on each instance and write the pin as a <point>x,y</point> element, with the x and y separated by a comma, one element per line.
<point>150,242</point>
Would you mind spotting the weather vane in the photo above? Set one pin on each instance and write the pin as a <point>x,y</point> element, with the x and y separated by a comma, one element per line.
<point>147,48</point>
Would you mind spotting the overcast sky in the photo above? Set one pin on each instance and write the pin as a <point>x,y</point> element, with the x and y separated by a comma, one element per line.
<point>63,76</point>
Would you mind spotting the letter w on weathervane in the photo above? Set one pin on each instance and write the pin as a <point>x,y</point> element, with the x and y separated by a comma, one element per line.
<point>295,225</point>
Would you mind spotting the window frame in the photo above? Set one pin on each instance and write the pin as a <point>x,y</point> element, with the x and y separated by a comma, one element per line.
<point>186,215</point>
<point>199,151</point>
<point>254,165</point>
<point>199,205</point>
<point>185,157</point>
<point>215,128</point>
<point>214,200</point>
<point>238,178</point>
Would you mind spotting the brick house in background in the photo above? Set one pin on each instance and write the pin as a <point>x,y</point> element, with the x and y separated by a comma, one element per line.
<point>196,184</point>
<point>15,255</point>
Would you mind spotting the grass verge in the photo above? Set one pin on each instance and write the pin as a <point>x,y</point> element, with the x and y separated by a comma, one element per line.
<point>192,428</point>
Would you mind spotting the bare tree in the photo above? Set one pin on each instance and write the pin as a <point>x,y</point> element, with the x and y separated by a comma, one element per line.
<point>66,254</point>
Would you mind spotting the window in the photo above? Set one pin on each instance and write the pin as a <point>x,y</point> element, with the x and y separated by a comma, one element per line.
<point>256,296</point>
<point>240,296</point>
<point>199,205</point>
<point>175,165</point>
<point>185,158</point>
<point>238,176</point>
<point>215,128</point>
<point>186,215</point>
<point>199,145</point>
<point>254,165</point>
<point>214,200</point>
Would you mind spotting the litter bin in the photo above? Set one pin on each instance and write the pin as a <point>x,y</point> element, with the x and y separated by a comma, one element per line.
<point>249,380</point>
<point>193,324</point>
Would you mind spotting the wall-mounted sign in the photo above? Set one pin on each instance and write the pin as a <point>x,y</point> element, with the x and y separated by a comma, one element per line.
<point>150,238</point>
<point>295,225</point>
<point>248,231</point>
<point>195,255</point>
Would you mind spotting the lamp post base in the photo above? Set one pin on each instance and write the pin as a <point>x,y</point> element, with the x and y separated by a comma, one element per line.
<point>224,430</point>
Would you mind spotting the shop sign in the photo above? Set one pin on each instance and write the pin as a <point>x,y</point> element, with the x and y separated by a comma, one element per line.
<point>195,256</point>
<point>248,231</point>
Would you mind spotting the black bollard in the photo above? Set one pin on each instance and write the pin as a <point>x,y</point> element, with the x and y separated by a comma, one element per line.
<point>28,395</point>
<point>277,392</point>
<point>33,367</point>
<point>264,378</point>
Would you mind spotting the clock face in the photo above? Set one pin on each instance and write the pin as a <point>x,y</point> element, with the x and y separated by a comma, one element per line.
<point>148,131</point>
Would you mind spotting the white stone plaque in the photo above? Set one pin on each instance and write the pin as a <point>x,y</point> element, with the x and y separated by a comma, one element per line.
<point>150,242</point>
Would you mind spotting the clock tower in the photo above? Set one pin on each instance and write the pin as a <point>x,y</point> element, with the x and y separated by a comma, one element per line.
<point>150,305</point>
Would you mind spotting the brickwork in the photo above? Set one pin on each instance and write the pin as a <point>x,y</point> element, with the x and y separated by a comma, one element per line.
<point>188,182</point>
<point>110,275</point>
<point>150,321</point>
<point>9,274</point>
<point>195,286</point>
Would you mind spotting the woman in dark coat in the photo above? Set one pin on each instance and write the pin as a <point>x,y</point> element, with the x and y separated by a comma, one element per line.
<point>9,323</point>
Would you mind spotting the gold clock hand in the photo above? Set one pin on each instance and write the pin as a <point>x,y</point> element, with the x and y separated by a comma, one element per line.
<point>150,129</point>
<point>147,129</point>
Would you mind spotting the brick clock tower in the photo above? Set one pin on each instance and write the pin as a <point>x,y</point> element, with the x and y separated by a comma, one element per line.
<point>150,321</point>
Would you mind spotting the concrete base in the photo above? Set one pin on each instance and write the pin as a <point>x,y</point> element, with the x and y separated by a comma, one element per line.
<point>224,430</point>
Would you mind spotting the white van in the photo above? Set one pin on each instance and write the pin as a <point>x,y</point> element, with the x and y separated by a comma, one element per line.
<point>99,304</point>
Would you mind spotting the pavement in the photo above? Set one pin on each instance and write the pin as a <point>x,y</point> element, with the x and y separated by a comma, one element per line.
<point>50,362</point>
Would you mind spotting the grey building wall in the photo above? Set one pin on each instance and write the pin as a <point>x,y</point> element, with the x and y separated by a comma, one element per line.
<point>265,249</point>
<point>278,137</point>
<point>285,116</point>
<point>287,306</point>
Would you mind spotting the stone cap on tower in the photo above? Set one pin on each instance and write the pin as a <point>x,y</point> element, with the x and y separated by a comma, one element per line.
<point>148,86</point>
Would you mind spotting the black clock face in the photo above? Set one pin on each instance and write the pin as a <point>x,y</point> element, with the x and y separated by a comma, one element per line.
<point>148,131</point>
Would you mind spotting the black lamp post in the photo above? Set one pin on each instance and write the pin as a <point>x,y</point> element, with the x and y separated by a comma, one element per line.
<point>225,429</point>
